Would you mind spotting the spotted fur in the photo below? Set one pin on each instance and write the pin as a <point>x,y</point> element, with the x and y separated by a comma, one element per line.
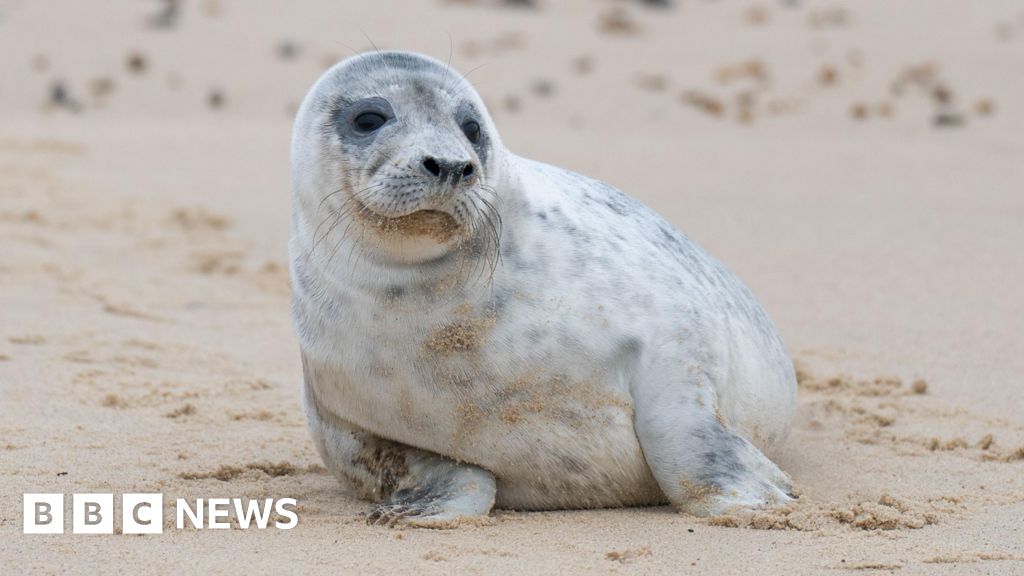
<point>564,347</point>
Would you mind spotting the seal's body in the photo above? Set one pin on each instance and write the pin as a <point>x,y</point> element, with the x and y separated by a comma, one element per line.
<point>478,328</point>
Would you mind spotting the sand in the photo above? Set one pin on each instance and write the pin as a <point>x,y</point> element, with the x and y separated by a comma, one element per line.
<point>859,164</point>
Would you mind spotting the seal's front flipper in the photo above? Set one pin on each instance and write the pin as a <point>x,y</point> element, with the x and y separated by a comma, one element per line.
<point>414,486</point>
<point>703,467</point>
<point>437,493</point>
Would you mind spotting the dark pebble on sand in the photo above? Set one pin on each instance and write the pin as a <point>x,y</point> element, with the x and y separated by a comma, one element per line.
<point>136,63</point>
<point>618,21</point>
<point>168,15</point>
<point>520,3</point>
<point>512,103</point>
<point>542,88</point>
<point>948,120</point>
<point>287,50</point>
<point>583,65</point>
<point>215,99</point>
<point>61,97</point>
<point>942,94</point>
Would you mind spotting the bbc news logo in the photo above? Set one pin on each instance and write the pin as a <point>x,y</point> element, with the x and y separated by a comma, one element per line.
<point>144,513</point>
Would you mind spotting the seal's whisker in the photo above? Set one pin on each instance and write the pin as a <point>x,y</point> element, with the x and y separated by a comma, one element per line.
<point>336,216</point>
<point>448,65</point>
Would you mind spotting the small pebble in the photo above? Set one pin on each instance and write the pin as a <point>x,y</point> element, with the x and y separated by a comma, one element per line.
<point>618,21</point>
<point>583,65</point>
<point>136,63</point>
<point>542,88</point>
<point>984,107</point>
<point>215,99</point>
<point>828,76</point>
<point>287,50</point>
<point>948,119</point>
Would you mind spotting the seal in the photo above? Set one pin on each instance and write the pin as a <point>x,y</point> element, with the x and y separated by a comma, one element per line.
<point>479,329</point>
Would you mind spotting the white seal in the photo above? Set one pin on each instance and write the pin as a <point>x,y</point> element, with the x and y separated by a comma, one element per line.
<point>479,329</point>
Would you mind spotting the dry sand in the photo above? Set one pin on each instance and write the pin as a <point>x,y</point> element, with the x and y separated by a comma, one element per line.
<point>859,164</point>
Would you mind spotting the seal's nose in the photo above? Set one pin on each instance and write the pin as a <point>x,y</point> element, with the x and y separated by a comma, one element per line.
<point>443,169</point>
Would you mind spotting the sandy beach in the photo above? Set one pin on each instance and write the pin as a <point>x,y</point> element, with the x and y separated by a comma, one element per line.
<point>860,165</point>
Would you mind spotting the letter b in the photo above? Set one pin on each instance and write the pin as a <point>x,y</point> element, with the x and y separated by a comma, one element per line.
<point>43,513</point>
<point>92,514</point>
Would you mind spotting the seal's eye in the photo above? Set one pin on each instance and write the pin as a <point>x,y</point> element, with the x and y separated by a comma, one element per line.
<point>471,128</point>
<point>369,121</point>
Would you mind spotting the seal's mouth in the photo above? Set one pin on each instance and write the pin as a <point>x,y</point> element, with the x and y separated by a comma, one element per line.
<point>435,224</point>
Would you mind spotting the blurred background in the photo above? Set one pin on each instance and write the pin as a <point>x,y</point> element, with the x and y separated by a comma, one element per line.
<point>837,154</point>
<point>859,163</point>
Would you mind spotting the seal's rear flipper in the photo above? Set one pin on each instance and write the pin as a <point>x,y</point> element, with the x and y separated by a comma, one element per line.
<point>703,467</point>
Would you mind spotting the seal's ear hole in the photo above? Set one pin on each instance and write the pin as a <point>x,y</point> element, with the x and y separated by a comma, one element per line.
<point>471,128</point>
<point>369,121</point>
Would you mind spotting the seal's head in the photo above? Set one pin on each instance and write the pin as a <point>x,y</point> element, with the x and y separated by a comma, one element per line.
<point>398,150</point>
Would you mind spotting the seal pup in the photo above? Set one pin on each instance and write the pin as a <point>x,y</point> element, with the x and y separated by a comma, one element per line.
<point>480,329</point>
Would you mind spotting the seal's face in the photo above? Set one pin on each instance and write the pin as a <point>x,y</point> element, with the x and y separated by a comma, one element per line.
<point>408,145</point>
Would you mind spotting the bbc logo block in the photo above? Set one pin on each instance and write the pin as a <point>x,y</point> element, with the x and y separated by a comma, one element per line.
<point>144,513</point>
<point>43,514</point>
<point>93,513</point>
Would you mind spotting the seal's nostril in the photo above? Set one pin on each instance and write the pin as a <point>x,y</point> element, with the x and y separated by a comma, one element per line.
<point>467,171</point>
<point>432,166</point>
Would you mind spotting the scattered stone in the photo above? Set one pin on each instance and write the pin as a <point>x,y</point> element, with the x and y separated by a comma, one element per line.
<point>828,76</point>
<point>859,111</point>
<point>948,119</point>
<point>287,50</point>
<point>919,386</point>
<point>512,103</point>
<point>583,65</point>
<point>542,88</point>
<point>136,63</point>
<point>984,107</point>
<point>941,94</point>
<point>60,97</point>
<point>704,102</point>
<point>618,21</point>
<point>168,15</point>
<point>215,99</point>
